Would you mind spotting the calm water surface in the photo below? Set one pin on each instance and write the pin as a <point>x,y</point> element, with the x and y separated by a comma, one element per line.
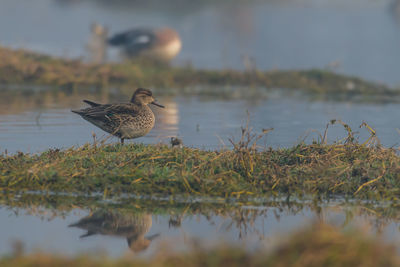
<point>117,232</point>
<point>205,123</point>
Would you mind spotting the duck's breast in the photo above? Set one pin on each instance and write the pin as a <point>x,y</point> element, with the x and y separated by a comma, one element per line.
<point>139,125</point>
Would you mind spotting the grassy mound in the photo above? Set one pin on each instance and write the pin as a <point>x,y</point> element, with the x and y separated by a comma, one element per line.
<point>319,170</point>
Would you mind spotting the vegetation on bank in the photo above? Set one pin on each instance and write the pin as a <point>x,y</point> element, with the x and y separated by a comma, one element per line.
<point>319,245</point>
<point>319,170</point>
<point>24,67</point>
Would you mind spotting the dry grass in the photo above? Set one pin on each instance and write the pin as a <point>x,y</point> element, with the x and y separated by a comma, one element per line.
<point>324,245</point>
<point>349,169</point>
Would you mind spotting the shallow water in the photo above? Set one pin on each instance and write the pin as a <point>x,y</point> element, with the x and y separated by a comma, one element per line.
<point>201,122</point>
<point>112,229</point>
<point>358,37</point>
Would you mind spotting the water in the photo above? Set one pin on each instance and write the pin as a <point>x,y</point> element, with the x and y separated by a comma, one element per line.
<point>138,231</point>
<point>202,123</point>
<point>358,37</point>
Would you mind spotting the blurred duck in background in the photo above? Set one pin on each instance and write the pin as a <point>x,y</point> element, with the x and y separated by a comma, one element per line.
<point>97,44</point>
<point>162,44</point>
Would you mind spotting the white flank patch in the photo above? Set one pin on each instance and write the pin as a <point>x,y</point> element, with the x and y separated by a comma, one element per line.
<point>142,39</point>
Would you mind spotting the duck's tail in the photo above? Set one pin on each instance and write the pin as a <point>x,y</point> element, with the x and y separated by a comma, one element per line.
<point>89,233</point>
<point>118,39</point>
<point>79,112</point>
<point>91,103</point>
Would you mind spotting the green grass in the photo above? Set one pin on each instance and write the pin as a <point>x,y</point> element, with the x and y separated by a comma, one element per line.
<point>318,245</point>
<point>24,67</point>
<point>318,170</point>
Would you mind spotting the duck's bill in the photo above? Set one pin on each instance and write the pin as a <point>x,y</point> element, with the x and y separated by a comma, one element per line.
<point>152,237</point>
<point>156,104</point>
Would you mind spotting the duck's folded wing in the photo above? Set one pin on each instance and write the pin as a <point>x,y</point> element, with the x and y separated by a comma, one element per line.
<point>109,111</point>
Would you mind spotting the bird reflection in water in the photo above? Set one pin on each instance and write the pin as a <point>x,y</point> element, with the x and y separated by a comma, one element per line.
<point>133,226</point>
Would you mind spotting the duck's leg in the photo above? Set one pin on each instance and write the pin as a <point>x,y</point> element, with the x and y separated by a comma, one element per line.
<point>122,141</point>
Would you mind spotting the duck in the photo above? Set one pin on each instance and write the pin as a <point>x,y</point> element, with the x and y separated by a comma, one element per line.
<point>123,120</point>
<point>160,44</point>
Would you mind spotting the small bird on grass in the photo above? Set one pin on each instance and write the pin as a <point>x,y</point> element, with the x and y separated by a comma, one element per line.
<point>124,120</point>
<point>175,141</point>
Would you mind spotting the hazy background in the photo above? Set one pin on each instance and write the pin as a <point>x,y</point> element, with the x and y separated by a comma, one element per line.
<point>360,37</point>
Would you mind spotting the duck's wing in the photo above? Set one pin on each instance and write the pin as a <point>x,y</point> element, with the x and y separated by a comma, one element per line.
<point>108,111</point>
<point>134,40</point>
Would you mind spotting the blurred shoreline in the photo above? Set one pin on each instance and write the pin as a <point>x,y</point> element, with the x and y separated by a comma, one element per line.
<point>22,67</point>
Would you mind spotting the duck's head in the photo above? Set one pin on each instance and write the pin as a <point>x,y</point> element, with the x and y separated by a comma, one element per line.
<point>144,96</point>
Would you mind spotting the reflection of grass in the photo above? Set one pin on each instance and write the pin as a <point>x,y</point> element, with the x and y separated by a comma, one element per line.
<point>22,67</point>
<point>319,245</point>
<point>349,169</point>
<point>241,213</point>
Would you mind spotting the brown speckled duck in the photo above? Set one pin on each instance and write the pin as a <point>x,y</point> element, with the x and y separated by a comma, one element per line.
<point>124,120</point>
